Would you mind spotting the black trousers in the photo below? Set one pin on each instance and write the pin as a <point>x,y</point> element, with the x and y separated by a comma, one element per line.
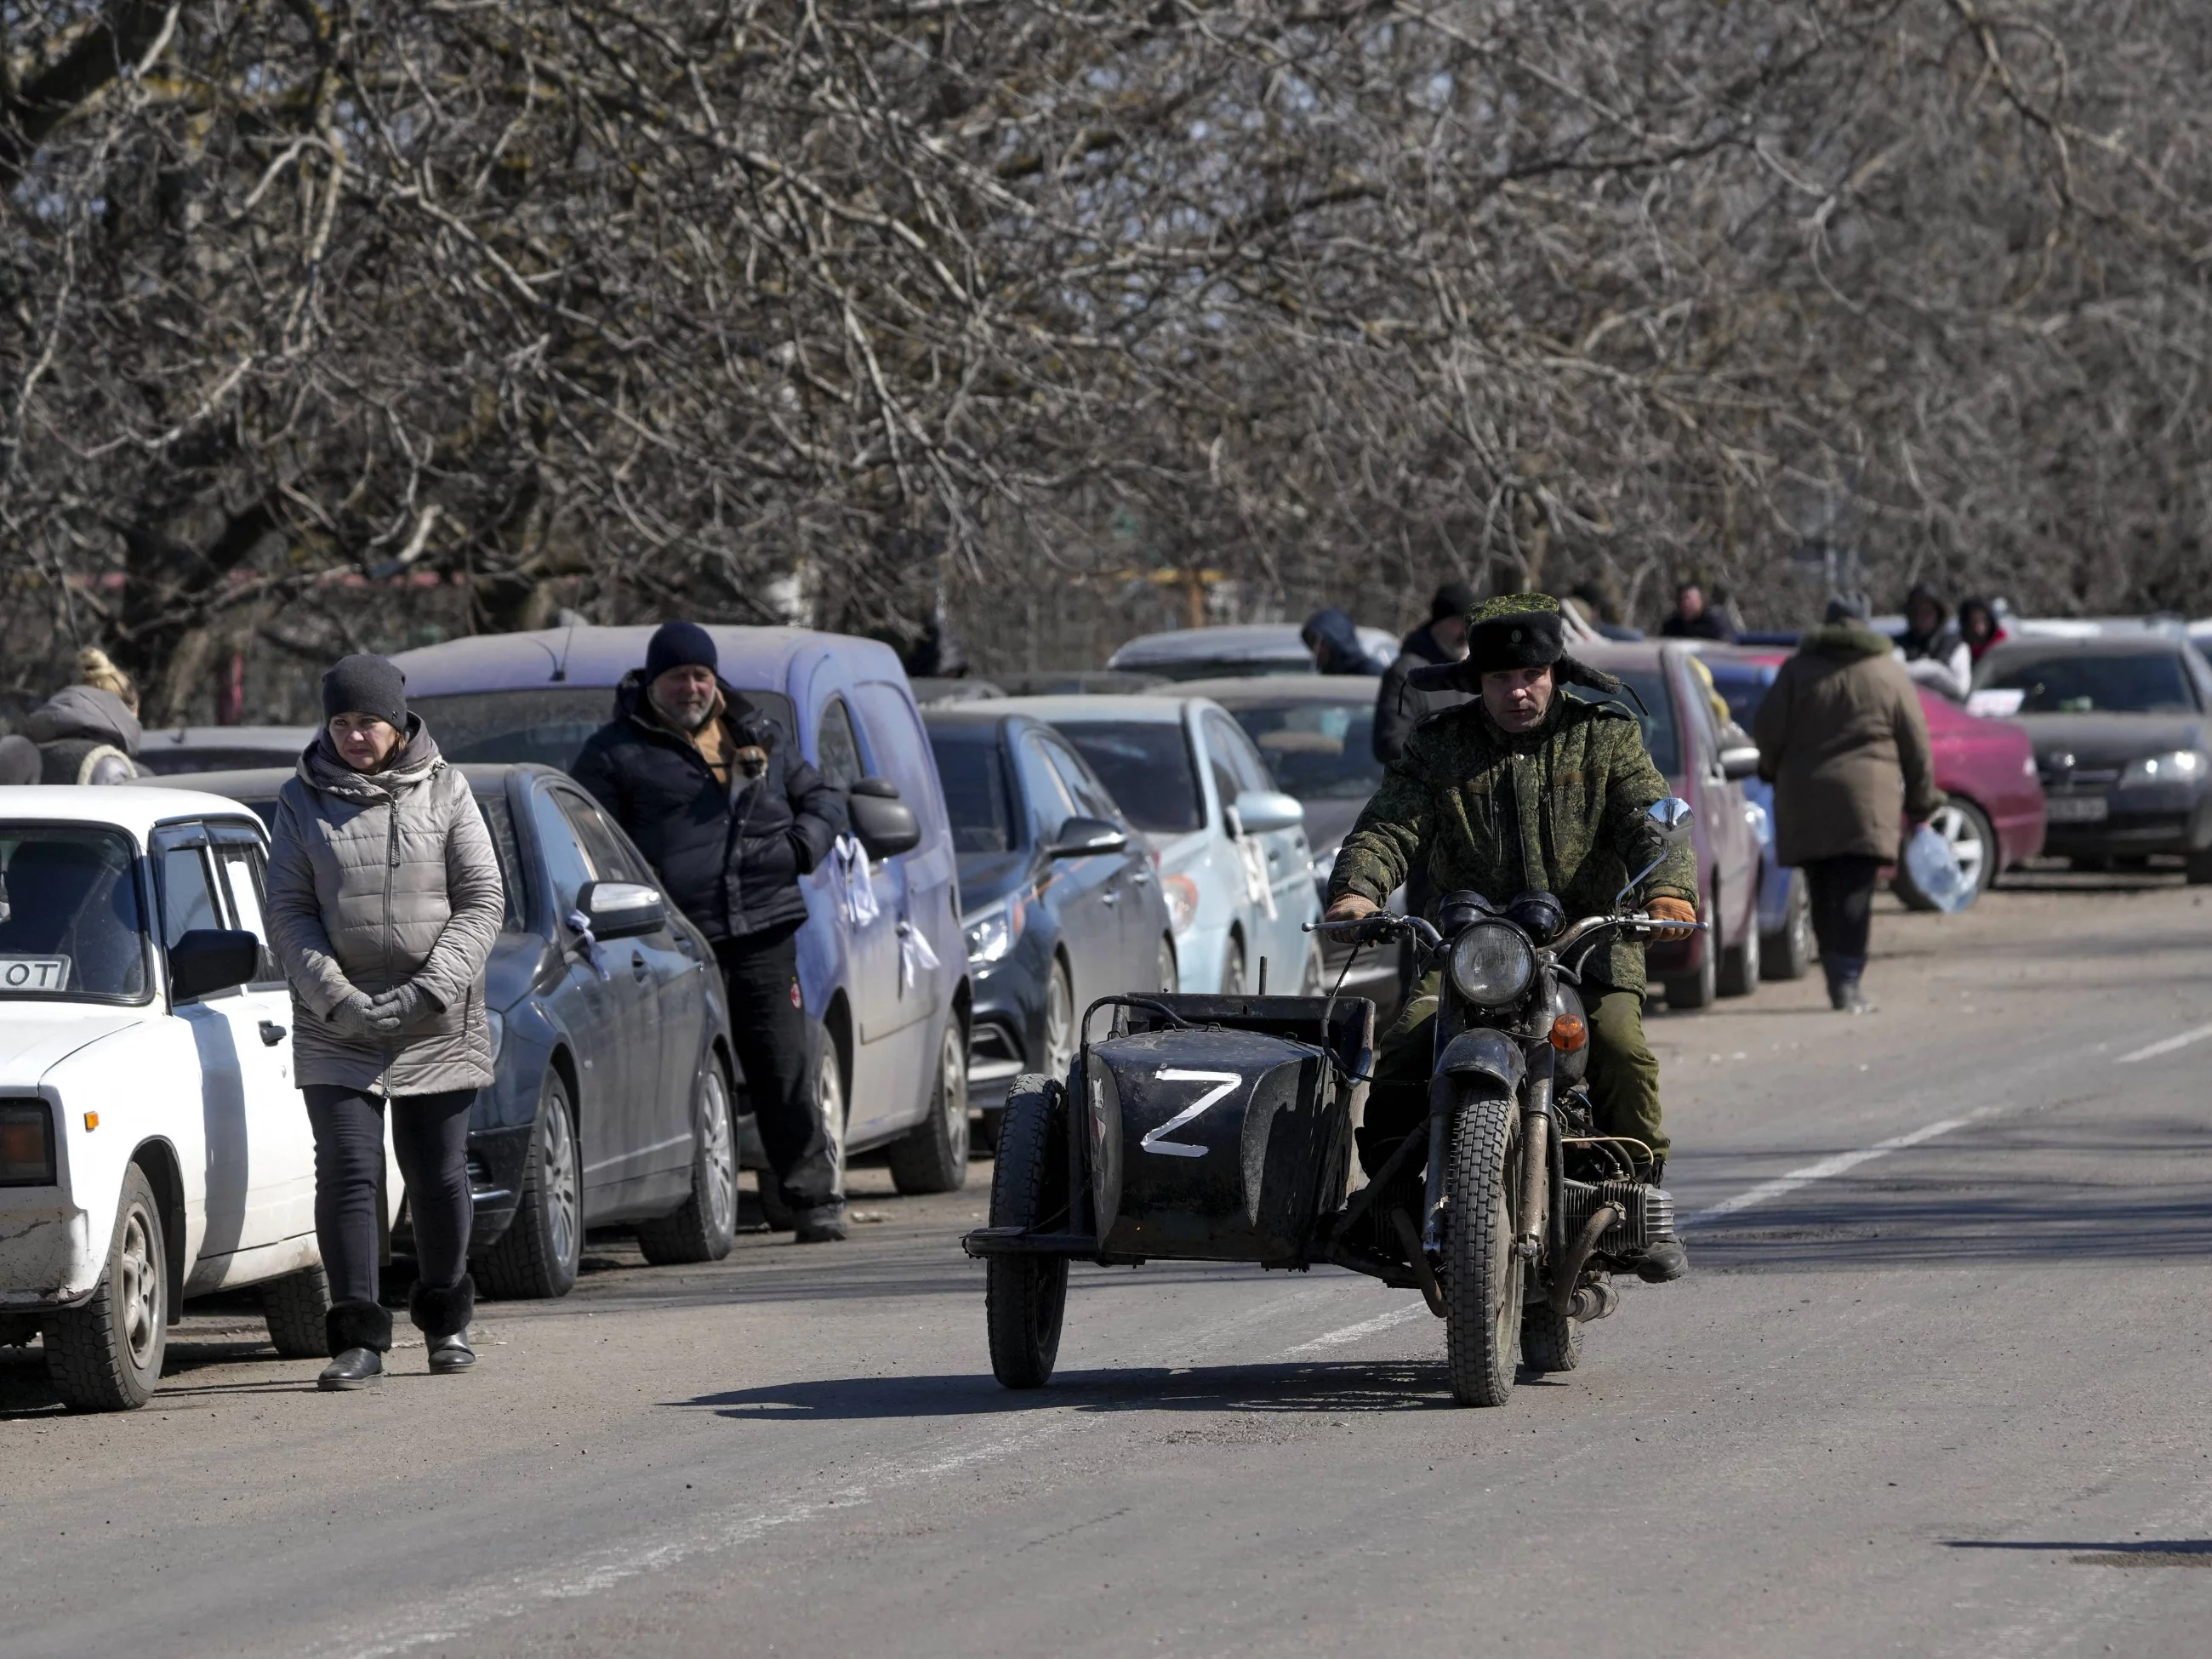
<point>775,1050</point>
<point>430,1134</point>
<point>1841,892</point>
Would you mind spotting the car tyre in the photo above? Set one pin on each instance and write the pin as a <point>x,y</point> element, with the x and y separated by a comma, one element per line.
<point>293,1308</point>
<point>1059,1020</point>
<point>539,1254</point>
<point>1232,968</point>
<point>1697,990</point>
<point>106,1353</point>
<point>932,1158</point>
<point>1741,963</point>
<point>2199,867</point>
<point>1025,1296</point>
<point>706,1225</point>
<point>1788,952</point>
<point>1170,977</point>
<point>1967,828</point>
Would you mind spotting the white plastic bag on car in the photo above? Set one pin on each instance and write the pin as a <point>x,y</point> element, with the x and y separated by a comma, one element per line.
<point>1934,871</point>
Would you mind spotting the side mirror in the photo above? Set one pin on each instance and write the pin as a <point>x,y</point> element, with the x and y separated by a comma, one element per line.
<point>1740,763</point>
<point>1670,815</point>
<point>1262,811</point>
<point>211,959</point>
<point>884,824</point>
<point>622,910</point>
<point>1082,838</point>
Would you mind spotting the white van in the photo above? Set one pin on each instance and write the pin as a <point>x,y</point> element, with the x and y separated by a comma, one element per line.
<point>153,1145</point>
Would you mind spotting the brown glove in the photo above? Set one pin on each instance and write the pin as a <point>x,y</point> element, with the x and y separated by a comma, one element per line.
<point>1673,909</point>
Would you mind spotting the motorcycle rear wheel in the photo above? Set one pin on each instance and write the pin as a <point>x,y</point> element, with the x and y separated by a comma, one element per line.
<point>1483,1282</point>
<point>1025,1296</point>
<point>1549,1341</point>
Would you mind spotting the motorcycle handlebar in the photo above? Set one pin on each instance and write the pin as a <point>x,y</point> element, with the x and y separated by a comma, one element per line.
<point>1382,925</point>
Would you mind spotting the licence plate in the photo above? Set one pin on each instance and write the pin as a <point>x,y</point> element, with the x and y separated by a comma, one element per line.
<point>34,973</point>
<point>2076,809</point>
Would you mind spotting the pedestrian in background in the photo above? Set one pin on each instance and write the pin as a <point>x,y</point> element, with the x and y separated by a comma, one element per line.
<point>731,817</point>
<point>1980,628</point>
<point>1693,619</point>
<point>1934,652</point>
<point>1843,739</point>
<point>1334,639</point>
<point>1398,706</point>
<point>384,899</point>
<point>88,731</point>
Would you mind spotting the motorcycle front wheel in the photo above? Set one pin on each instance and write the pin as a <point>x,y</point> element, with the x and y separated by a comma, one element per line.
<point>1483,1283</point>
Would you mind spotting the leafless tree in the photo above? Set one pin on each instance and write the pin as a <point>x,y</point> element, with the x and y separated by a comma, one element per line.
<point>1025,316</point>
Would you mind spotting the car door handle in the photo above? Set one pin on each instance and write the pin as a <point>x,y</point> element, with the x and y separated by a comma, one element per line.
<point>271,1033</point>
<point>1109,898</point>
<point>638,970</point>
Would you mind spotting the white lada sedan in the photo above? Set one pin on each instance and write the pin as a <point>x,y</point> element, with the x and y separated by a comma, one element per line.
<point>152,1144</point>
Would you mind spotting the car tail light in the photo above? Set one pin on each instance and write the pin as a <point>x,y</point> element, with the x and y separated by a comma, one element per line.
<point>27,1144</point>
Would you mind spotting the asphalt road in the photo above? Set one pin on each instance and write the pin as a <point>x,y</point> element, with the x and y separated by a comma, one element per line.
<point>1939,1386</point>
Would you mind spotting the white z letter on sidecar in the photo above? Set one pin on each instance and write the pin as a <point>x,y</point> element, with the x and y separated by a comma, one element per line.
<point>1224,1084</point>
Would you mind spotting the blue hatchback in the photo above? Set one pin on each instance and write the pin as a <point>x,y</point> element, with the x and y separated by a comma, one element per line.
<point>886,984</point>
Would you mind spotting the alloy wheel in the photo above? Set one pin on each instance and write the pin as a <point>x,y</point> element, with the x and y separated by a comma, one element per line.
<point>952,1086</point>
<point>1964,837</point>
<point>722,1154</point>
<point>137,1275</point>
<point>1058,1023</point>
<point>563,1197</point>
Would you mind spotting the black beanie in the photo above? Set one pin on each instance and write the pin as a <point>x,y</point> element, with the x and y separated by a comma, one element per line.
<point>366,685</point>
<point>1452,599</point>
<point>678,645</point>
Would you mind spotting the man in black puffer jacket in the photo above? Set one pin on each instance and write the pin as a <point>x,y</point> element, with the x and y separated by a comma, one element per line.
<point>730,819</point>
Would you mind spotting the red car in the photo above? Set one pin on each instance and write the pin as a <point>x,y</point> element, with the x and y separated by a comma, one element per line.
<point>1994,818</point>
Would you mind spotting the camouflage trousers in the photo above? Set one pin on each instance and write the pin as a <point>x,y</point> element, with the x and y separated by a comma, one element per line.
<point>1623,1076</point>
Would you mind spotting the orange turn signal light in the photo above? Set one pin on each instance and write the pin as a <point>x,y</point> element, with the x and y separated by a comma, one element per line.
<point>92,1119</point>
<point>1568,1034</point>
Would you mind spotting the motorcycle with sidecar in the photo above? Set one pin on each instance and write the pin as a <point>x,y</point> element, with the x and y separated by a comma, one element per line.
<point>1220,1128</point>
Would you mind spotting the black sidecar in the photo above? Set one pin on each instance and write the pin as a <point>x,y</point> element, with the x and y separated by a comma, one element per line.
<point>1201,1129</point>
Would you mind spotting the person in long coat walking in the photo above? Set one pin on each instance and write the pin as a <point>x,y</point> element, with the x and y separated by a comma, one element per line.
<point>1843,738</point>
<point>385,898</point>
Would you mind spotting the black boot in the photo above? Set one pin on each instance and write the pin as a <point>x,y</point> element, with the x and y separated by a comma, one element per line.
<point>825,1223</point>
<point>451,1354</point>
<point>443,1313</point>
<point>1662,1262</point>
<point>358,1334</point>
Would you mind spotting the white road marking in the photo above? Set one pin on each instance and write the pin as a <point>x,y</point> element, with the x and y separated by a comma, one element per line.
<point>449,1618</point>
<point>2167,1047</point>
<point>1353,1333</point>
<point>1828,1167</point>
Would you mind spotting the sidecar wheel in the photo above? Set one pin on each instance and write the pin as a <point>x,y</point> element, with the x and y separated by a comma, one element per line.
<point>1549,1341</point>
<point>1482,1281</point>
<point>1025,1296</point>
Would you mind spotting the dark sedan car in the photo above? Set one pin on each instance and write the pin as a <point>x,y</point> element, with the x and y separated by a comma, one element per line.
<point>1060,903</point>
<point>2122,727</point>
<point>613,1097</point>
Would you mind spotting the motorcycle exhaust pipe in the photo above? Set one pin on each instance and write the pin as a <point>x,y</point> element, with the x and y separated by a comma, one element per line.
<point>1565,1295</point>
<point>1592,1302</point>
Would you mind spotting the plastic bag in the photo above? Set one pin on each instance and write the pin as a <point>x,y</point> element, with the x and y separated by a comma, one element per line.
<point>1934,871</point>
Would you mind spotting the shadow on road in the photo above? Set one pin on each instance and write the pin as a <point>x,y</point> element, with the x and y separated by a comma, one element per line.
<point>1337,1387</point>
<point>2138,1552</point>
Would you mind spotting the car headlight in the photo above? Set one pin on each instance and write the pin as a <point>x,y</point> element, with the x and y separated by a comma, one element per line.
<point>2179,766</point>
<point>1492,964</point>
<point>497,1021</point>
<point>991,932</point>
<point>1182,895</point>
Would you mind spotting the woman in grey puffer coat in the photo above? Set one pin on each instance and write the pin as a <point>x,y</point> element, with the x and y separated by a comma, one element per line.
<point>385,899</point>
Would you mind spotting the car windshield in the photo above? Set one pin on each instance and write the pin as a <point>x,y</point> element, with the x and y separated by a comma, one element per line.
<point>70,922</point>
<point>2148,682</point>
<point>1744,685</point>
<point>1316,751</point>
<point>1147,766</point>
<point>973,772</point>
<point>1657,716</point>
<point>544,724</point>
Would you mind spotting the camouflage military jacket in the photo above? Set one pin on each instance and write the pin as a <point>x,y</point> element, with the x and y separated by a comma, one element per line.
<point>1552,810</point>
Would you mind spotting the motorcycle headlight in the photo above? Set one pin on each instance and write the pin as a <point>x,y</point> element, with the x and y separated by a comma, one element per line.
<point>991,932</point>
<point>1492,964</point>
<point>2181,766</point>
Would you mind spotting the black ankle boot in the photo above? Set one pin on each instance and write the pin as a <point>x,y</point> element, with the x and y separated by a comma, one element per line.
<point>1663,1262</point>
<point>355,1368</point>
<point>451,1354</point>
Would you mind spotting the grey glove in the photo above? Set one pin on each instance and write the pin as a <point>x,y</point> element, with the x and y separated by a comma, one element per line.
<point>395,1011</point>
<point>353,1015</point>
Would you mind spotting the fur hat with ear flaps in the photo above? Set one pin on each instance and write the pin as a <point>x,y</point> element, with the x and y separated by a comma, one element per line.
<point>1514,630</point>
